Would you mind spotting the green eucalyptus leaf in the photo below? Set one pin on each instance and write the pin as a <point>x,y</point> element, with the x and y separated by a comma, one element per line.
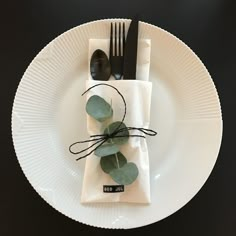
<point>125,175</point>
<point>111,162</point>
<point>106,149</point>
<point>98,108</point>
<point>119,140</point>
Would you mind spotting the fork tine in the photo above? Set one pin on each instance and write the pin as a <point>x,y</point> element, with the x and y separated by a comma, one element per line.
<point>111,41</point>
<point>115,40</point>
<point>119,38</point>
<point>123,38</point>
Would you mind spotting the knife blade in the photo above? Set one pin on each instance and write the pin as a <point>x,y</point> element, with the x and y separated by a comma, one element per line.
<point>130,54</point>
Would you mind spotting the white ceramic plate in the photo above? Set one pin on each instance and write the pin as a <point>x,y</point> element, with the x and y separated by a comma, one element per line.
<point>48,115</point>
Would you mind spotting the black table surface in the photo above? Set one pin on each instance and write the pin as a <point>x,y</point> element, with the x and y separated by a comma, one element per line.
<point>207,26</point>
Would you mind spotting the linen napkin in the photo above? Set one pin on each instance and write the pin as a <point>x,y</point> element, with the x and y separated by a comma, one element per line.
<point>137,94</point>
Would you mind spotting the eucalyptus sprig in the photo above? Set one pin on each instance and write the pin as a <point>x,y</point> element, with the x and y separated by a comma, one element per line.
<point>112,161</point>
<point>107,145</point>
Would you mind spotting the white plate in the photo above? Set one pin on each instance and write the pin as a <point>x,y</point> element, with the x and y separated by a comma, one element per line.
<point>48,115</point>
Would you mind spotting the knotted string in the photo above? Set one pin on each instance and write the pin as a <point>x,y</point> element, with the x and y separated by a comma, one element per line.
<point>100,139</point>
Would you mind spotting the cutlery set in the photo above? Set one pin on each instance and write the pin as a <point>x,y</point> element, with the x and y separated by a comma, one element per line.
<point>122,54</point>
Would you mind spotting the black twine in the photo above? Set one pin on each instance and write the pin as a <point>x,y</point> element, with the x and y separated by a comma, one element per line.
<point>100,139</point>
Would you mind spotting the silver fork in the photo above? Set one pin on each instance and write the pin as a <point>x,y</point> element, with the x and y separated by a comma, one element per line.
<point>117,46</point>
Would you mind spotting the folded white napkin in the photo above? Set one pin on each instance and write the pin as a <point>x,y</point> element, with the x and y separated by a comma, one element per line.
<point>137,94</point>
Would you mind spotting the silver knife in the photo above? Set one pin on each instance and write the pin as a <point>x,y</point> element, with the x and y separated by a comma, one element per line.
<point>131,47</point>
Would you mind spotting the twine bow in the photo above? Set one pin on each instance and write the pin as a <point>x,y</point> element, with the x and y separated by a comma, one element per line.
<point>100,139</point>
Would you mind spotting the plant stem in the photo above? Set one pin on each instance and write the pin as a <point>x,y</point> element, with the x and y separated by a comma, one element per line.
<point>117,160</point>
<point>118,165</point>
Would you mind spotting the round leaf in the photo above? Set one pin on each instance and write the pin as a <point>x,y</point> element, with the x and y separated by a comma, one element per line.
<point>125,133</point>
<point>125,175</point>
<point>106,149</point>
<point>109,163</point>
<point>98,108</point>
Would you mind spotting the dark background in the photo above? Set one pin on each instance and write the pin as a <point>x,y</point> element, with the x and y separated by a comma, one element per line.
<point>207,26</point>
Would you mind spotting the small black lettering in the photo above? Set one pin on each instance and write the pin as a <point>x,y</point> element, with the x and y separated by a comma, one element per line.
<point>113,188</point>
